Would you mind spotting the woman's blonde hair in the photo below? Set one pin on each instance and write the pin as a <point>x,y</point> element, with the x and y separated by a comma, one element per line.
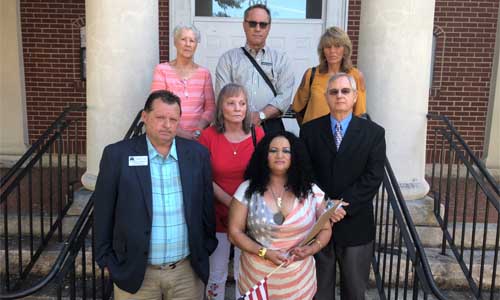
<point>335,36</point>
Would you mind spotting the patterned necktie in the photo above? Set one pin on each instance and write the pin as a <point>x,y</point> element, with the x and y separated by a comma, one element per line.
<point>338,135</point>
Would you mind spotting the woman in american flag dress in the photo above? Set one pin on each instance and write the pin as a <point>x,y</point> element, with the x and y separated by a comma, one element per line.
<point>271,213</point>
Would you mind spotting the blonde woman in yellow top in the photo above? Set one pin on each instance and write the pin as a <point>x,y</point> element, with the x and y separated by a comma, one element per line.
<point>334,51</point>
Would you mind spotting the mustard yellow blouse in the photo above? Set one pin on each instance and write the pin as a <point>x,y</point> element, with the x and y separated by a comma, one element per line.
<point>317,106</point>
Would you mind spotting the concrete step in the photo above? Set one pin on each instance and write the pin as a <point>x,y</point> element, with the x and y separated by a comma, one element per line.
<point>46,260</point>
<point>431,236</point>
<point>81,198</point>
<point>428,229</point>
<point>50,291</point>
<point>446,272</point>
<point>373,294</point>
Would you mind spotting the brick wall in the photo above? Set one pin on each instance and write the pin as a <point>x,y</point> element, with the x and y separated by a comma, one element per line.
<point>468,37</point>
<point>163,26</point>
<point>51,48</point>
<point>51,51</point>
<point>461,86</point>
<point>353,20</point>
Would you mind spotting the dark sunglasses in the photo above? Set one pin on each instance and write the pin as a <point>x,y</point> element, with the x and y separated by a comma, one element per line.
<point>253,24</point>
<point>335,92</point>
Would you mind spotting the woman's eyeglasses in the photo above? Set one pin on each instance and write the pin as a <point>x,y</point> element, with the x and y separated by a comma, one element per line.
<point>253,24</point>
<point>335,92</point>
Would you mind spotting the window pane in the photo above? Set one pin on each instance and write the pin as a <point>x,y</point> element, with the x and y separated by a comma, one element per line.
<point>280,9</point>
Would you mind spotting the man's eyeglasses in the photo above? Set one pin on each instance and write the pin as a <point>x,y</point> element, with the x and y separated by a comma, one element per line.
<point>335,92</point>
<point>253,24</point>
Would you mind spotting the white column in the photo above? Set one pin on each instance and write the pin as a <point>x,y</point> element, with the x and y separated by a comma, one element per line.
<point>492,145</point>
<point>13,129</point>
<point>395,56</point>
<point>122,51</point>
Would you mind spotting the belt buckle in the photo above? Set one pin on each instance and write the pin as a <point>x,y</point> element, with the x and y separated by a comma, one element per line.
<point>172,265</point>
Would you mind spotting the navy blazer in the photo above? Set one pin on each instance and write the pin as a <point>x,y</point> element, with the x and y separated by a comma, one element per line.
<point>353,173</point>
<point>122,215</point>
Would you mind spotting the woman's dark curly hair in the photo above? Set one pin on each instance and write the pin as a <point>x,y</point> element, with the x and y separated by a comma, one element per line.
<point>299,180</point>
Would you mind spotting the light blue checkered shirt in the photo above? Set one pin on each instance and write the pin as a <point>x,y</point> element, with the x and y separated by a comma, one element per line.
<point>169,234</point>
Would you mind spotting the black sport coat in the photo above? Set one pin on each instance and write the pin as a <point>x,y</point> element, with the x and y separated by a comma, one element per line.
<point>353,173</point>
<point>122,216</point>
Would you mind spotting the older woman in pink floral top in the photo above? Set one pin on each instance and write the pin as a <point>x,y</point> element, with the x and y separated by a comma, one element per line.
<point>191,82</point>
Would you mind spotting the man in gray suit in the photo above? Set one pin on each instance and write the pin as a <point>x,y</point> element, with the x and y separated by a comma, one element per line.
<point>347,155</point>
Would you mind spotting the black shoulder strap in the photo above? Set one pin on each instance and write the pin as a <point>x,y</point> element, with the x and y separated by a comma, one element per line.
<point>259,69</point>
<point>313,72</point>
<point>254,136</point>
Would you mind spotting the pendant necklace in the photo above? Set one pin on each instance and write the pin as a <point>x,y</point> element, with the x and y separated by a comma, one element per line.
<point>235,149</point>
<point>278,217</point>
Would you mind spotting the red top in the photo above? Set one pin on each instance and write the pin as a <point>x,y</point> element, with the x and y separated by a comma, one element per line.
<point>227,167</point>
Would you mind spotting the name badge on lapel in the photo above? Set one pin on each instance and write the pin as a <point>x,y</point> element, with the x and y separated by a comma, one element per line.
<point>134,161</point>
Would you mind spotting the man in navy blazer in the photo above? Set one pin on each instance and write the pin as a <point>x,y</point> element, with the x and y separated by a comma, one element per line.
<point>347,155</point>
<point>154,215</point>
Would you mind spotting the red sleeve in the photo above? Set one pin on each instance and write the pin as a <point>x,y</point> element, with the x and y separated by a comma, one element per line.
<point>205,137</point>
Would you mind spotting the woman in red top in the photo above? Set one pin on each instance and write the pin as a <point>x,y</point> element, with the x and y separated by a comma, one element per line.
<point>230,144</point>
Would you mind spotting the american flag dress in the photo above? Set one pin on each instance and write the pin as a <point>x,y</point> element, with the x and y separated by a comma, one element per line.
<point>298,280</point>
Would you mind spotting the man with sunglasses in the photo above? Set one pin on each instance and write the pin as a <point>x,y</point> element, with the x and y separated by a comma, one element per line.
<point>270,88</point>
<point>347,155</point>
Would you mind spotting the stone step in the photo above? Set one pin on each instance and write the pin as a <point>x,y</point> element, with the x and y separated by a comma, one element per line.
<point>81,198</point>
<point>46,260</point>
<point>447,273</point>
<point>428,229</point>
<point>50,291</point>
<point>373,294</point>
<point>432,236</point>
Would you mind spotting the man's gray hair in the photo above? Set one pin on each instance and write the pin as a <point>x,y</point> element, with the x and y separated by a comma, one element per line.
<point>349,77</point>
<point>178,29</point>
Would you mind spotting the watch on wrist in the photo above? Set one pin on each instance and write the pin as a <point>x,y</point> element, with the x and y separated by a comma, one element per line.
<point>262,115</point>
<point>262,252</point>
<point>197,133</point>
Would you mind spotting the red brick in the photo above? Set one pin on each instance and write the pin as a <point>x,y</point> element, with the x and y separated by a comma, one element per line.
<point>46,30</point>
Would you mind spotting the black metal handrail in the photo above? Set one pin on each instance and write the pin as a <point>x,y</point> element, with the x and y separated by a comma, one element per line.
<point>25,190</point>
<point>397,242</point>
<point>65,262</point>
<point>466,199</point>
<point>136,127</point>
<point>399,263</point>
<point>65,272</point>
<point>36,145</point>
